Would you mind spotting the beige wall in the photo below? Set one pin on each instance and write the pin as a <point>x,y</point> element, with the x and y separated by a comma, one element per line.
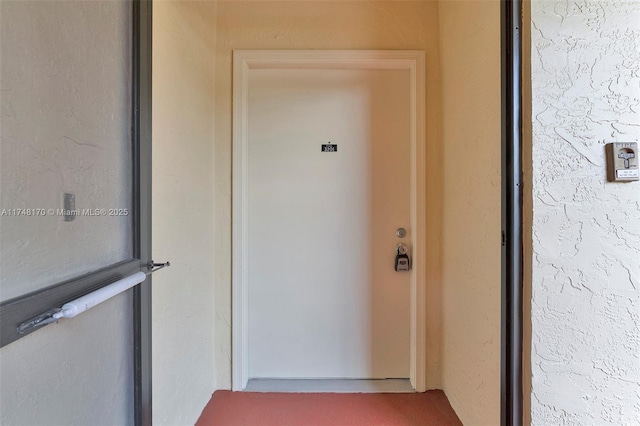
<point>322,25</point>
<point>183,187</point>
<point>193,43</point>
<point>470,57</point>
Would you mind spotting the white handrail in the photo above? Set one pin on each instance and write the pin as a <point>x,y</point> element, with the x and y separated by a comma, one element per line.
<point>88,301</point>
<point>78,306</point>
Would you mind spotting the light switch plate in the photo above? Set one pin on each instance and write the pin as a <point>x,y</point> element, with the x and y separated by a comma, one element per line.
<point>69,207</point>
<point>622,162</point>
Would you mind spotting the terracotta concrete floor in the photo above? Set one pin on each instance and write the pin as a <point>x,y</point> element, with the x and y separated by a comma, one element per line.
<point>228,408</point>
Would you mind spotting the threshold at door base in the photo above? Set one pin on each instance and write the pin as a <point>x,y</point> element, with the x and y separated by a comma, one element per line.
<point>330,385</point>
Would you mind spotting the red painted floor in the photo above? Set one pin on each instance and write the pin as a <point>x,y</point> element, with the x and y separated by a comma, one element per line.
<point>228,408</point>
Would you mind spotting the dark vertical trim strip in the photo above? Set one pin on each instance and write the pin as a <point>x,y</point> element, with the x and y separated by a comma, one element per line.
<point>512,254</point>
<point>141,92</point>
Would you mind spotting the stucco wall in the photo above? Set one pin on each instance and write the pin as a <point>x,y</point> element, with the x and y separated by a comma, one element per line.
<point>183,188</point>
<point>585,355</point>
<point>470,58</point>
<point>56,139</point>
<point>58,58</point>
<point>73,372</point>
<point>322,25</point>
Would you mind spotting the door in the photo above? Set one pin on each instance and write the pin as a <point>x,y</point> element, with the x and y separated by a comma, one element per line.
<point>324,300</point>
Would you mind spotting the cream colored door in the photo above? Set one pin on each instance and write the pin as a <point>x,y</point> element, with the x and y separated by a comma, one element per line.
<point>324,300</point>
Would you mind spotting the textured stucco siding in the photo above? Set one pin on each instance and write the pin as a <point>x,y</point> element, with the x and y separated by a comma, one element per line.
<point>585,356</point>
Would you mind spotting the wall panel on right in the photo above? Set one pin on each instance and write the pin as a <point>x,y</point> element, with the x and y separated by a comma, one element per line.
<point>585,344</point>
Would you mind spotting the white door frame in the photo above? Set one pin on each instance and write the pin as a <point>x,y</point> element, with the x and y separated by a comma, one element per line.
<point>243,61</point>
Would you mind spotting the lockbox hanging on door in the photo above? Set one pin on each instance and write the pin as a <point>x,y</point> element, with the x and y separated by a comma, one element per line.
<point>403,262</point>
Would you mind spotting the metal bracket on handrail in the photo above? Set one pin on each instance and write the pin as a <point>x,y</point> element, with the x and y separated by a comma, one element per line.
<point>153,267</point>
<point>39,321</point>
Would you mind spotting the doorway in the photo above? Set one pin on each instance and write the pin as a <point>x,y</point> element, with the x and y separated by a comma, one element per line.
<point>328,166</point>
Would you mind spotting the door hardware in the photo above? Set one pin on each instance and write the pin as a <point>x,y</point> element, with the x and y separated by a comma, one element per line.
<point>403,262</point>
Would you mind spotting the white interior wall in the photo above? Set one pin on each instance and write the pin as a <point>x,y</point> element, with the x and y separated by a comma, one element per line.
<point>585,84</point>
<point>183,219</point>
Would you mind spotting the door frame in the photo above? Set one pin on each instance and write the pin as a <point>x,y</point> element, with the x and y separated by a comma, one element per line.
<point>243,61</point>
<point>512,405</point>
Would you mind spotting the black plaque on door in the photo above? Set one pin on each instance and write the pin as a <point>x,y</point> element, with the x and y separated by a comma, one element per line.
<point>329,147</point>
